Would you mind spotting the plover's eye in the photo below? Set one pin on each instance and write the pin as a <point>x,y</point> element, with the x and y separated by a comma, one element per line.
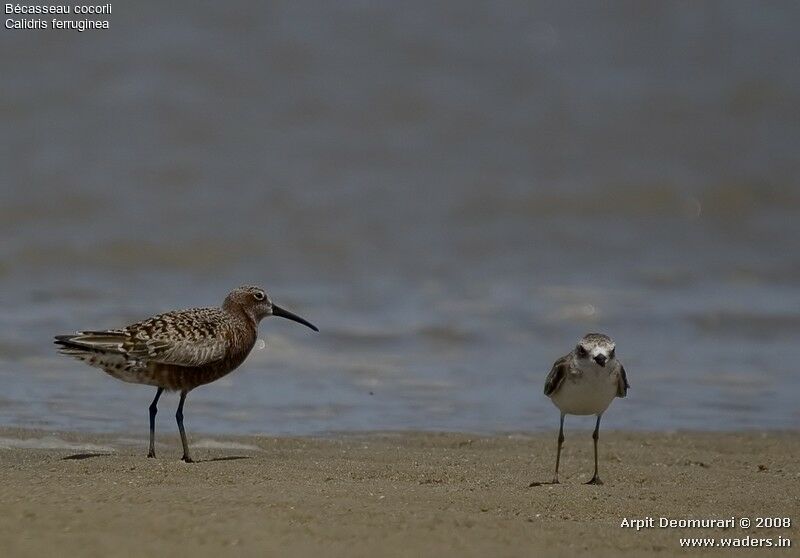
<point>259,295</point>
<point>581,351</point>
<point>612,353</point>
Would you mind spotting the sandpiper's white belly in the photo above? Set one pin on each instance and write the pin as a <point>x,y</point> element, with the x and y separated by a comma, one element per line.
<point>588,392</point>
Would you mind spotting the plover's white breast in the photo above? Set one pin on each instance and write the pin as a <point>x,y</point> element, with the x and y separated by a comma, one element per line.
<point>588,391</point>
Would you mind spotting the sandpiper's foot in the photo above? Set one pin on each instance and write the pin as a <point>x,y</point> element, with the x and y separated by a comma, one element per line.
<point>595,480</point>
<point>187,459</point>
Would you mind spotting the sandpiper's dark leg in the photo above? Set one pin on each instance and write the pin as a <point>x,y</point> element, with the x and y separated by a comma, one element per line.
<point>153,411</point>
<point>595,436</point>
<point>179,417</point>
<point>560,441</point>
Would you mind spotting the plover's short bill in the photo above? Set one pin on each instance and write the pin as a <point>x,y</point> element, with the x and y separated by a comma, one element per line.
<point>585,382</point>
<point>179,350</point>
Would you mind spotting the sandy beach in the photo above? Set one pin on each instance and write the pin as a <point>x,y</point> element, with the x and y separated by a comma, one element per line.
<point>387,494</point>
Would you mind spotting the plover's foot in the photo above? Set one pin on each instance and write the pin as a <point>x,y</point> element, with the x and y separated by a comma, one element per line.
<point>595,480</point>
<point>151,453</point>
<point>187,459</point>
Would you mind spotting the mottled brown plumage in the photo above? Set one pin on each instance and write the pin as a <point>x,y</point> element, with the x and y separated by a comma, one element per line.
<point>179,350</point>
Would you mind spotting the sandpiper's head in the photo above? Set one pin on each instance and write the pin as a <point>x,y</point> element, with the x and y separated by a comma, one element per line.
<point>596,347</point>
<point>256,303</point>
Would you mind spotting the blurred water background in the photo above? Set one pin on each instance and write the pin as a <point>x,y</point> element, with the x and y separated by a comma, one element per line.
<point>453,192</point>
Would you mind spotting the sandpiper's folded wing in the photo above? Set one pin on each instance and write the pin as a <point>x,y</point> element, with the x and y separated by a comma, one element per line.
<point>556,375</point>
<point>184,352</point>
<point>184,338</point>
<point>187,338</point>
<point>111,341</point>
<point>622,382</point>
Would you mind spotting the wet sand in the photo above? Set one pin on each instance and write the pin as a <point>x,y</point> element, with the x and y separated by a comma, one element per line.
<point>407,494</point>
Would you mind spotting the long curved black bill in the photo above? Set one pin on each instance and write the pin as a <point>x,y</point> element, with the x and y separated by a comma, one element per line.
<point>281,313</point>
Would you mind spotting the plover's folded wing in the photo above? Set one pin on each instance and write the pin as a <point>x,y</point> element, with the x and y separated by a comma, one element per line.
<point>556,375</point>
<point>622,382</point>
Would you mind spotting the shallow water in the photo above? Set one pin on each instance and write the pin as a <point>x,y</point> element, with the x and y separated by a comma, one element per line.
<point>454,194</point>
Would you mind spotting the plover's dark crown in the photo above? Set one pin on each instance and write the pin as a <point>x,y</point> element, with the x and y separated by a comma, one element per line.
<point>597,339</point>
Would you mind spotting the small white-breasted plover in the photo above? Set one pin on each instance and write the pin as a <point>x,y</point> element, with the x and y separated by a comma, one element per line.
<point>179,350</point>
<point>585,382</point>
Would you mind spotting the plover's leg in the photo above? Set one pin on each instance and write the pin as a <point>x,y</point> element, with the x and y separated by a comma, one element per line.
<point>153,411</point>
<point>560,441</point>
<point>595,479</point>
<point>179,417</point>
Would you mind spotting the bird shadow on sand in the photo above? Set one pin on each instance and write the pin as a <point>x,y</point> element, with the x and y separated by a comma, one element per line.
<point>227,458</point>
<point>79,456</point>
<point>546,483</point>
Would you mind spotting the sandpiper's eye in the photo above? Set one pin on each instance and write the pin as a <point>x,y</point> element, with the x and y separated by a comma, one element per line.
<point>259,295</point>
<point>581,351</point>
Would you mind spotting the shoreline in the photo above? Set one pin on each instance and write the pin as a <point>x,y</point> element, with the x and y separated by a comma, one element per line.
<point>386,493</point>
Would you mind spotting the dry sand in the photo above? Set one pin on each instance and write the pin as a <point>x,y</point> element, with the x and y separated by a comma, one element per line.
<point>409,494</point>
